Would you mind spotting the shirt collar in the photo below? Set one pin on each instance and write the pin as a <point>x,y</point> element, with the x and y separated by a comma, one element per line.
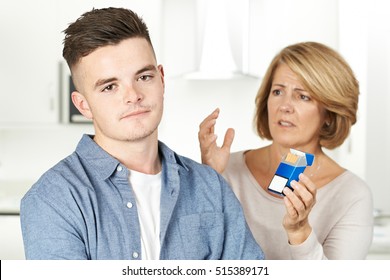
<point>170,156</point>
<point>100,160</point>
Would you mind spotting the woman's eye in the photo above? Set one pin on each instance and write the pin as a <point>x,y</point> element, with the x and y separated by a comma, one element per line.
<point>276,92</point>
<point>305,97</point>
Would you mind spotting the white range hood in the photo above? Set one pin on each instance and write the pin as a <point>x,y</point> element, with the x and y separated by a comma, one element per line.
<point>222,40</point>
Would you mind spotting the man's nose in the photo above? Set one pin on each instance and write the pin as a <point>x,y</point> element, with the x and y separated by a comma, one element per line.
<point>132,95</point>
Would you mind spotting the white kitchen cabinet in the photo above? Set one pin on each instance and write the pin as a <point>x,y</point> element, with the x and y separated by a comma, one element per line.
<point>11,242</point>
<point>378,103</point>
<point>31,53</point>
<point>28,62</point>
<point>275,24</point>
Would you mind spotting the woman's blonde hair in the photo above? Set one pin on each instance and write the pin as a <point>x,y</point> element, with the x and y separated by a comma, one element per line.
<point>329,80</point>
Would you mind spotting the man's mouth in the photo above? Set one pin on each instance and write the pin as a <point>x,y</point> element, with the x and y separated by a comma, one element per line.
<point>134,113</point>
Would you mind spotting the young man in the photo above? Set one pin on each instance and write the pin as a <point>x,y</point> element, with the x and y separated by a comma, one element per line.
<point>123,194</point>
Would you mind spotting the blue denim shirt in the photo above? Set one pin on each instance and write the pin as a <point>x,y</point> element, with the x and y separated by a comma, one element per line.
<point>84,208</point>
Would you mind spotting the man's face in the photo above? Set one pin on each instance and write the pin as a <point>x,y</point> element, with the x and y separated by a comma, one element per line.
<point>121,89</point>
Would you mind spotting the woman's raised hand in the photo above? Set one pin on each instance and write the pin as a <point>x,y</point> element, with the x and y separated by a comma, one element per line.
<point>211,154</point>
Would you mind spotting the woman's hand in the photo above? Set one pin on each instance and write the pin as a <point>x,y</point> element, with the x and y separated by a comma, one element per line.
<point>211,154</point>
<point>298,205</point>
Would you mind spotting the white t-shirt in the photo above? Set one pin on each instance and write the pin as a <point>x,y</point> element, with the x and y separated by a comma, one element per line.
<point>147,191</point>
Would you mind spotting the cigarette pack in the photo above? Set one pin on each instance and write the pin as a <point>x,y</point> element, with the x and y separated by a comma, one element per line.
<point>292,164</point>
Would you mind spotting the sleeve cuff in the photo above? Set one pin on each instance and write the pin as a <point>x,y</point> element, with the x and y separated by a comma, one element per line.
<point>310,249</point>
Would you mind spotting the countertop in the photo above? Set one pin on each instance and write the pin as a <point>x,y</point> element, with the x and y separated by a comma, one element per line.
<point>11,192</point>
<point>381,239</point>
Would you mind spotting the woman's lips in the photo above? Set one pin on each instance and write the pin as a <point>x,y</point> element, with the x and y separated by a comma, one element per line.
<point>285,123</point>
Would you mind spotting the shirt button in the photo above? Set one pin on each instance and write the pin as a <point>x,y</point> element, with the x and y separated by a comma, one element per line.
<point>135,255</point>
<point>129,205</point>
<point>119,168</point>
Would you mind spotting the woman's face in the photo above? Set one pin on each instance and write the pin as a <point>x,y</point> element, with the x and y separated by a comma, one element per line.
<point>295,119</point>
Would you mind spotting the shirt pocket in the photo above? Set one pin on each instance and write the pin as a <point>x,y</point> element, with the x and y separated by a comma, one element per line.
<point>202,235</point>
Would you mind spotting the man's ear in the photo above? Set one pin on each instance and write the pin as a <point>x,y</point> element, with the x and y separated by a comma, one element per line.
<point>81,103</point>
<point>161,69</point>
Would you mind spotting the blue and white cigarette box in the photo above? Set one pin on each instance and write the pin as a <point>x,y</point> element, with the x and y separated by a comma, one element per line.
<point>292,164</point>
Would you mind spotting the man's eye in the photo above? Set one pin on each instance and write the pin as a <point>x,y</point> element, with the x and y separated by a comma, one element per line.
<point>109,88</point>
<point>145,78</point>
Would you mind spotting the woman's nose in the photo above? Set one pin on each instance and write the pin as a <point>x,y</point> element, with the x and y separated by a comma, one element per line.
<point>286,105</point>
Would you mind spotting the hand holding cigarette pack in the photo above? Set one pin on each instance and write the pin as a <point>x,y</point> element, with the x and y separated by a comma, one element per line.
<point>292,164</point>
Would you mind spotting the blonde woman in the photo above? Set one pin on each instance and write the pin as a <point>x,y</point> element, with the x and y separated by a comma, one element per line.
<point>307,101</point>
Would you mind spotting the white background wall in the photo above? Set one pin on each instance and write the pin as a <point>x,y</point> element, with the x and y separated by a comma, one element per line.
<point>32,138</point>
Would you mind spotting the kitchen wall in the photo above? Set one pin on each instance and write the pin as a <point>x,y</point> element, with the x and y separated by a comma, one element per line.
<point>33,138</point>
<point>30,103</point>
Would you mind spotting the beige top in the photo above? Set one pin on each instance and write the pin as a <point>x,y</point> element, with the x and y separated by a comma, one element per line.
<point>342,218</point>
